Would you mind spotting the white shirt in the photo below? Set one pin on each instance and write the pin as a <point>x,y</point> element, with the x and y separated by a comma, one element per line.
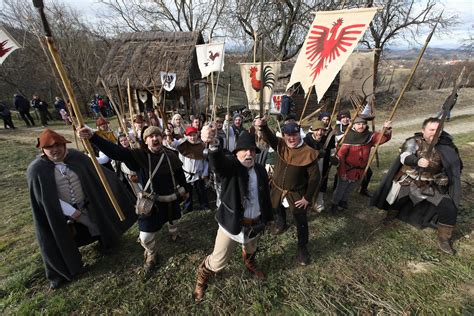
<point>251,208</point>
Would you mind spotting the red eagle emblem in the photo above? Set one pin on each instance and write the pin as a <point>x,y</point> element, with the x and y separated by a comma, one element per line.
<point>3,48</point>
<point>325,45</point>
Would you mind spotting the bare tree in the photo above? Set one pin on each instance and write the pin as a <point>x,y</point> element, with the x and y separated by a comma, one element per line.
<point>163,15</point>
<point>82,52</point>
<point>283,23</point>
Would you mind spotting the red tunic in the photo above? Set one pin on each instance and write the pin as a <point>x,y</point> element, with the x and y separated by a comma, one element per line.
<point>353,158</point>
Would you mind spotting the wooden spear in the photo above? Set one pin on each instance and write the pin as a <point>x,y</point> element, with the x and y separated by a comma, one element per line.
<point>67,86</point>
<point>262,80</point>
<point>306,102</point>
<point>130,109</point>
<point>407,83</point>
<point>228,113</point>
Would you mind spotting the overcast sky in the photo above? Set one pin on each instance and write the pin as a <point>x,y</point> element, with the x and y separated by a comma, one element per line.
<point>463,8</point>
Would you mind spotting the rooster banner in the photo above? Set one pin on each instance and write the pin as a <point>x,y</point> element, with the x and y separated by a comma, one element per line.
<point>253,84</point>
<point>168,80</point>
<point>7,44</point>
<point>331,39</point>
<point>210,58</point>
<point>357,75</point>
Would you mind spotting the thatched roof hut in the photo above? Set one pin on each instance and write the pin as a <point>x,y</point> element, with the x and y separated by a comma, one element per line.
<point>140,56</point>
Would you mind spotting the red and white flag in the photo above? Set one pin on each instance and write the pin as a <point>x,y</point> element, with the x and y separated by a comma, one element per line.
<point>7,44</point>
<point>210,58</point>
<point>331,39</point>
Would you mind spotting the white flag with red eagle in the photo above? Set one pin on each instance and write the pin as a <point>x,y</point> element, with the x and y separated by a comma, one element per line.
<point>331,39</point>
<point>210,58</point>
<point>7,44</point>
<point>253,85</point>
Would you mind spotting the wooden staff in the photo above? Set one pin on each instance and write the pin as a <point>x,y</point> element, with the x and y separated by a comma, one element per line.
<point>122,105</point>
<point>262,80</point>
<point>336,106</point>
<point>56,80</point>
<point>130,109</point>
<point>228,113</point>
<point>67,86</point>
<point>395,107</point>
<point>306,102</point>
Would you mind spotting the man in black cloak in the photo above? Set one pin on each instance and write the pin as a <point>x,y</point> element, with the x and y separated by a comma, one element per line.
<point>71,208</point>
<point>423,188</point>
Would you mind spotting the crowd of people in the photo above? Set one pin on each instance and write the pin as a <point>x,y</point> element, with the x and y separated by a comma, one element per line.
<point>162,170</point>
<point>99,106</point>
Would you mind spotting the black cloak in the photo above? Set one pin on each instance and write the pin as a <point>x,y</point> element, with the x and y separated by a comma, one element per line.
<point>59,250</point>
<point>423,213</point>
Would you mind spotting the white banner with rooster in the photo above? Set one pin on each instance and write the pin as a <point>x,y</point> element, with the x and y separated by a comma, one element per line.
<point>330,40</point>
<point>7,44</point>
<point>253,85</point>
<point>210,58</point>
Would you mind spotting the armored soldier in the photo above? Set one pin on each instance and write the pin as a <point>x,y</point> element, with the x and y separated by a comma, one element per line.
<point>423,188</point>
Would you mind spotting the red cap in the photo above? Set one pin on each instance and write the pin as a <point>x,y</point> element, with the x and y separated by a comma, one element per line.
<point>190,130</point>
<point>49,137</point>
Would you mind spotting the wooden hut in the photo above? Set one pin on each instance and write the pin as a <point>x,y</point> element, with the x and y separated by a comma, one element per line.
<point>141,56</point>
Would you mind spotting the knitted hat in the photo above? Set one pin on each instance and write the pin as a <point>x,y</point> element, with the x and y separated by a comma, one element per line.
<point>343,114</point>
<point>323,115</point>
<point>290,128</point>
<point>151,130</point>
<point>190,130</point>
<point>236,116</point>
<point>246,141</point>
<point>49,137</point>
<point>317,125</point>
<point>101,121</point>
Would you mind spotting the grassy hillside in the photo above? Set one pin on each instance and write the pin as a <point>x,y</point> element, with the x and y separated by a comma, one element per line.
<point>358,265</point>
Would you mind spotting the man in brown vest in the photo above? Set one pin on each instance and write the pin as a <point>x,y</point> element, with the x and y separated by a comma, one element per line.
<point>294,180</point>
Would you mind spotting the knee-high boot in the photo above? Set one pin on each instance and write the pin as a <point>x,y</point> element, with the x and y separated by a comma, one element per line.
<point>203,276</point>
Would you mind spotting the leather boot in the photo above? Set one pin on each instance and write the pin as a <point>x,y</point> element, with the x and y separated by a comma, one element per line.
<point>445,232</point>
<point>150,255</point>
<point>203,276</point>
<point>251,265</point>
<point>390,217</point>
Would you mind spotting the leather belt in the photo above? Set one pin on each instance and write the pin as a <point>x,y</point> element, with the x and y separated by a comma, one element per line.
<point>250,221</point>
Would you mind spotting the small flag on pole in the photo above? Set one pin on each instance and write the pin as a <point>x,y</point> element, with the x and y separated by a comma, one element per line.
<point>210,58</point>
<point>168,80</point>
<point>7,44</point>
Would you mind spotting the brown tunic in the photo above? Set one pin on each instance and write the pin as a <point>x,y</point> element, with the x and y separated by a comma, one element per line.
<point>296,173</point>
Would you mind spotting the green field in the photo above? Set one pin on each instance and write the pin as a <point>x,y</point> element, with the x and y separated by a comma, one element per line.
<point>358,266</point>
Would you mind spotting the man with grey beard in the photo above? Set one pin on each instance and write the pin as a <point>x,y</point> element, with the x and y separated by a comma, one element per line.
<point>245,207</point>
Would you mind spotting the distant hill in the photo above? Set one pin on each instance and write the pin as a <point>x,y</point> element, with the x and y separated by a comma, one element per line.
<point>431,53</point>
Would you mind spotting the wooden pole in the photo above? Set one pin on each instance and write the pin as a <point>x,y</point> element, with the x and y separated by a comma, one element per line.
<point>262,80</point>
<point>397,103</point>
<point>130,109</point>
<point>306,102</point>
<point>68,87</point>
